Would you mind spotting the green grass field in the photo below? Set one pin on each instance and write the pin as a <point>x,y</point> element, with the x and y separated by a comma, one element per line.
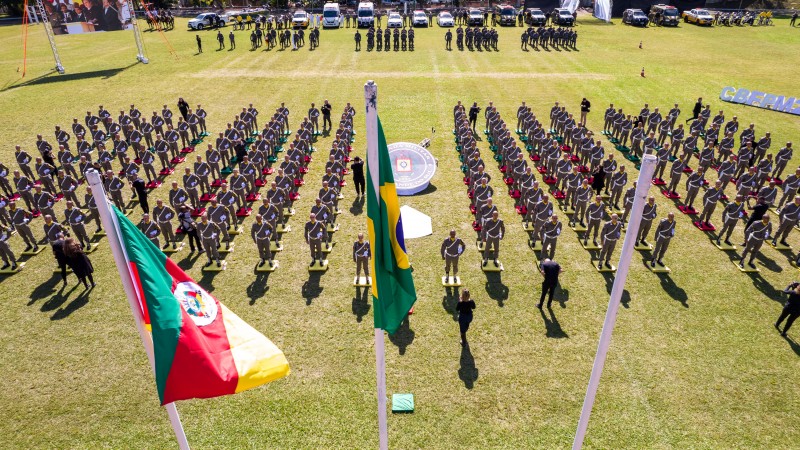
<point>695,361</point>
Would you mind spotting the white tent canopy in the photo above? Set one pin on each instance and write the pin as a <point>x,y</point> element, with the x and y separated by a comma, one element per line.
<point>602,10</point>
<point>415,223</point>
<point>571,5</point>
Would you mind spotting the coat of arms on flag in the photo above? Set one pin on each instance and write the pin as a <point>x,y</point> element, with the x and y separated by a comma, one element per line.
<point>403,164</point>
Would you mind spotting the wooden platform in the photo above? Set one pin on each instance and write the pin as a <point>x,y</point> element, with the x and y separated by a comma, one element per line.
<point>537,247</point>
<point>266,267</point>
<point>214,268</point>
<point>91,248</point>
<point>8,271</point>
<point>169,250</point>
<point>317,267</point>
<point>746,268</point>
<point>723,246</point>
<point>224,251</point>
<point>490,267</point>
<point>332,228</point>
<point>33,252</point>
<point>603,268</point>
<point>328,247</point>
<point>641,248</point>
<point>590,245</point>
<point>236,230</point>
<point>283,228</point>
<point>275,246</point>
<point>578,227</point>
<point>780,246</point>
<point>362,281</point>
<point>659,268</point>
<point>451,281</point>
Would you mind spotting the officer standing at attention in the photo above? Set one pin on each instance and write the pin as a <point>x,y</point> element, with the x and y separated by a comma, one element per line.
<point>361,255</point>
<point>448,40</point>
<point>209,232</point>
<point>315,232</point>
<point>262,232</point>
<point>357,38</point>
<point>611,233</point>
<point>199,43</point>
<point>492,233</point>
<point>451,250</point>
<point>232,39</point>
<point>664,234</point>
<point>755,234</point>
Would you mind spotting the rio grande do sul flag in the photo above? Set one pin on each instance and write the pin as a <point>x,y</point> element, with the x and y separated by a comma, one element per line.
<point>201,349</point>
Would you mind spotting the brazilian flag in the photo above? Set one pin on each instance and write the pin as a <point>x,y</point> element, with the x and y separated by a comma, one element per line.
<point>393,292</point>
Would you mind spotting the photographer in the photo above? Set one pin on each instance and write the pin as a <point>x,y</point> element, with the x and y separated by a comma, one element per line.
<point>791,309</point>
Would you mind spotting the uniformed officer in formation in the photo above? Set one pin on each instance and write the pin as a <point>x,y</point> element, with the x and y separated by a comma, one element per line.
<point>755,235</point>
<point>550,232</point>
<point>262,232</point>
<point>209,235</point>
<point>492,233</point>
<point>789,216</point>
<point>451,250</point>
<point>9,260</point>
<point>163,216</point>
<point>664,234</point>
<point>649,213</point>
<point>315,232</point>
<point>361,255</point>
<point>611,233</point>
<point>731,215</point>
<point>21,219</point>
<point>75,218</point>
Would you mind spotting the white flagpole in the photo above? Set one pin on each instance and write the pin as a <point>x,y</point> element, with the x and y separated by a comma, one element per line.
<point>642,188</point>
<point>371,101</point>
<point>110,226</point>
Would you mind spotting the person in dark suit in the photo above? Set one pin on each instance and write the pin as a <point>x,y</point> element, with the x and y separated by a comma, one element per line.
<point>698,107</point>
<point>78,261</point>
<point>791,309</point>
<point>61,257</point>
<point>550,270</point>
<point>357,168</point>
<point>92,14</point>
<point>473,115</point>
<point>598,178</point>
<point>183,106</point>
<point>141,192</point>
<point>464,307</point>
<point>111,20</point>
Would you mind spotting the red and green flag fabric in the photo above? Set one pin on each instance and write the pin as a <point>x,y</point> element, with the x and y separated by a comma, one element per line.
<point>201,349</point>
<point>393,291</point>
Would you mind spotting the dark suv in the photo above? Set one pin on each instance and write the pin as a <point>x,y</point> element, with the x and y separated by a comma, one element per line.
<point>562,17</point>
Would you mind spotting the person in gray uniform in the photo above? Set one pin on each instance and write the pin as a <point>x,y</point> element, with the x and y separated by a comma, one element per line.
<point>21,220</point>
<point>649,213</point>
<point>315,232</point>
<point>789,186</point>
<point>150,229</point>
<point>75,218</point>
<point>550,232</point>
<point>693,183</point>
<point>618,181</point>
<point>44,201</point>
<point>611,233</point>
<point>492,233</point>
<point>541,212</point>
<point>582,197</point>
<point>209,236</point>
<point>731,215</point>
<point>756,233</point>
<point>361,255</point>
<point>665,231</point>
<point>594,214</point>
<point>9,260</point>
<point>163,216</point>
<point>261,232</point>
<point>221,216</point>
<point>451,250</point>
<point>627,203</point>
<point>710,200</point>
<point>781,159</point>
<point>789,216</point>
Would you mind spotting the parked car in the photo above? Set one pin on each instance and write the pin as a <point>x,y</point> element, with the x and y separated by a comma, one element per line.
<point>475,17</point>
<point>508,15</point>
<point>698,16</point>
<point>206,20</point>
<point>300,19</point>
<point>445,19</point>
<point>535,17</point>
<point>667,15</point>
<point>562,17</point>
<point>420,19</point>
<point>635,17</point>
<point>394,20</point>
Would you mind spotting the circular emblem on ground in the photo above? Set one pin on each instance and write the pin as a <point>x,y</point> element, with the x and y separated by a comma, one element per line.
<point>413,167</point>
<point>198,303</point>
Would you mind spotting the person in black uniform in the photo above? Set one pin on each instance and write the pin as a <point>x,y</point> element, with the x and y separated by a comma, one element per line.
<point>585,106</point>
<point>326,116</point>
<point>357,168</point>
<point>698,107</point>
<point>464,307</point>
<point>188,226</point>
<point>183,107</point>
<point>221,40</point>
<point>141,192</point>
<point>448,40</point>
<point>199,43</point>
<point>61,257</point>
<point>232,38</point>
<point>550,270</point>
<point>474,110</point>
<point>357,38</point>
<point>791,309</point>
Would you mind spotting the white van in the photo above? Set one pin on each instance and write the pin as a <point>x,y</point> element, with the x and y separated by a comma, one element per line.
<point>331,16</point>
<point>366,14</point>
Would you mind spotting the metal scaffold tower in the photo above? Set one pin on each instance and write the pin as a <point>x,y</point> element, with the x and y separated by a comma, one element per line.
<point>137,34</point>
<point>48,27</point>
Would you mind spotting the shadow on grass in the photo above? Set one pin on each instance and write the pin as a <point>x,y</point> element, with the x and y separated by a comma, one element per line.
<point>44,290</point>
<point>258,287</point>
<point>552,325</point>
<point>793,344</point>
<point>311,288</point>
<point>561,296</point>
<point>76,304</point>
<point>188,261</point>
<point>54,77</point>
<point>468,373</point>
<point>403,337</point>
<point>766,288</point>
<point>449,301</point>
<point>358,206</point>
<point>495,288</point>
<point>625,300</point>
<point>58,299</point>
<point>428,190</point>
<point>673,290</point>
<point>361,304</point>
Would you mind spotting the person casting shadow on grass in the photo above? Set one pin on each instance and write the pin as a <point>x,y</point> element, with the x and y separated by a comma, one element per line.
<point>464,307</point>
